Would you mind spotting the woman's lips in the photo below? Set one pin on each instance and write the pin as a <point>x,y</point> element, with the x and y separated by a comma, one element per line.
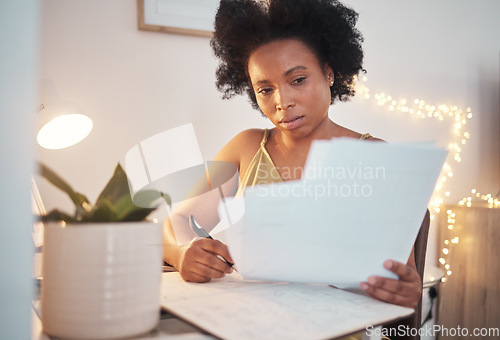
<point>291,122</point>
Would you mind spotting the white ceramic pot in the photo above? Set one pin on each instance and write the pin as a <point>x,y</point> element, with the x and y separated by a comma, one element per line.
<point>101,280</point>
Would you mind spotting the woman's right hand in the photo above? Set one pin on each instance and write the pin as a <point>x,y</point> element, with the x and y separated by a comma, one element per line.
<point>198,261</point>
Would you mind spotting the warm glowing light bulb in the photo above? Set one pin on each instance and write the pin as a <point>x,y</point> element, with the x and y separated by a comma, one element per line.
<point>64,131</point>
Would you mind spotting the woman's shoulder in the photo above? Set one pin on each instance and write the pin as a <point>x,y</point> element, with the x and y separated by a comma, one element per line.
<point>247,140</point>
<point>242,146</point>
<point>345,132</point>
<point>249,136</point>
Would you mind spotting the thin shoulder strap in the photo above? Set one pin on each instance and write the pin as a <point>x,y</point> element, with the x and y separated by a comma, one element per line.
<point>365,136</point>
<point>264,138</point>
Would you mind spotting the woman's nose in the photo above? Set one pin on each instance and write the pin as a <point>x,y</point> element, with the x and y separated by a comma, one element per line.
<point>284,100</point>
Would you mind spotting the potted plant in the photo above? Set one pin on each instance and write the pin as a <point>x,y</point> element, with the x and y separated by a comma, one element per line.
<point>101,265</point>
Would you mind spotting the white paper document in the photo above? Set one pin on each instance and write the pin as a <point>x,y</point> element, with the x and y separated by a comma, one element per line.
<point>357,205</point>
<point>230,308</point>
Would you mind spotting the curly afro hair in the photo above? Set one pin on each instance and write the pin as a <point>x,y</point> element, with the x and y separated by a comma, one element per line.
<point>326,26</point>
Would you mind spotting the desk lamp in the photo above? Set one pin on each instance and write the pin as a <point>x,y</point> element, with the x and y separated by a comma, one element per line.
<point>62,123</point>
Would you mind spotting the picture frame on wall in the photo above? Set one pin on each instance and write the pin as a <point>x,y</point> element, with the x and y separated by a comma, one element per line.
<point>190,17</point>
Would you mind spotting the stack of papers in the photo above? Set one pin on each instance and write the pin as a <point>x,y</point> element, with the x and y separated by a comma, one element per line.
<point>357,205</point>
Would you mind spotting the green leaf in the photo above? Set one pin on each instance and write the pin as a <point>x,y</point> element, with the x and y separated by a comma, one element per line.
<point>124,206</point>
<point>167,199</point>
<point>57,216</point>
<point>146,198</point>
<point>105,212</point>
<point>114,204</point>
<point>116,187</point>
<point>138,215</point>
<point>78,199</point>
<point>126,210</point>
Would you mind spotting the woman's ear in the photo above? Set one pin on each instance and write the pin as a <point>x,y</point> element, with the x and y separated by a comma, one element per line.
<point>330,75</point>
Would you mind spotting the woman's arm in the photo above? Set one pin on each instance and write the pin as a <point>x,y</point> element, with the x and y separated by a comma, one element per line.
<point>197,259</point>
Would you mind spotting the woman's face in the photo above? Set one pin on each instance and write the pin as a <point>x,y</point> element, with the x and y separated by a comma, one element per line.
<point>291,87</point>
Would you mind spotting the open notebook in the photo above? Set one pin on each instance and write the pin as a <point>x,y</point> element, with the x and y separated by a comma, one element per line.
<point>231,308</point>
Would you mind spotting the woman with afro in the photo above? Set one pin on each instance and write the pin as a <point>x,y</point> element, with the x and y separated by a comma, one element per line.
<point>293,58</point>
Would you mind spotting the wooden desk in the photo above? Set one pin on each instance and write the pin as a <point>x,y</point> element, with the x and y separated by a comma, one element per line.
<point>471,295</point>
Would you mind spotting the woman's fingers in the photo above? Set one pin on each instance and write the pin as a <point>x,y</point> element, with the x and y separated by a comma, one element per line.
<point>201,261</point>
<point>216,247</point>
<point>405,291</point>
<point>403,271</point>
<point>388,296</point>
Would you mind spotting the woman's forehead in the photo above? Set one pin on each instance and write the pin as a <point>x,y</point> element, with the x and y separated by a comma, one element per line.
<point>281,56</point>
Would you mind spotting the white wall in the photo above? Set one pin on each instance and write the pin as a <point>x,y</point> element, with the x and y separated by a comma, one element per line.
<point>444,52</point>
<point>18,73</point>
<point>132,83</point>
<point>135,84</point>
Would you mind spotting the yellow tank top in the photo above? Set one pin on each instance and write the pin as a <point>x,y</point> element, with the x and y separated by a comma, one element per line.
<point>262,169</point>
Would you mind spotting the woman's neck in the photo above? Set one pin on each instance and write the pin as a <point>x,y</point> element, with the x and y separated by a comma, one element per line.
<point>290,142</point>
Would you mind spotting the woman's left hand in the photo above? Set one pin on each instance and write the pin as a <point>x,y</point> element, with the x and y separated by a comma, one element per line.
<point>406,291</point>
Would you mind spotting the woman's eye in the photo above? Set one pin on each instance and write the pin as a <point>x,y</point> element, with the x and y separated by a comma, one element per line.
<point>298,80</point>
<point>264,91</point>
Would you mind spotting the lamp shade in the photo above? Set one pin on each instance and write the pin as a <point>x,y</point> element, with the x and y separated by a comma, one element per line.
<point>62,124</point>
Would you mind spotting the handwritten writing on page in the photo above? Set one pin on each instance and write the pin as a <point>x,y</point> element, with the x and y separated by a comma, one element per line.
<point>357,205</point>
<point>230,308</point>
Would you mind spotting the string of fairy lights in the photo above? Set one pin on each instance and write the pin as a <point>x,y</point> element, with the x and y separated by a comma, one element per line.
<point>460,137</point>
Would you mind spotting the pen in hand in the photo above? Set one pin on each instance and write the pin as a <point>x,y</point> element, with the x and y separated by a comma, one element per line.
<point>203,233</point>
